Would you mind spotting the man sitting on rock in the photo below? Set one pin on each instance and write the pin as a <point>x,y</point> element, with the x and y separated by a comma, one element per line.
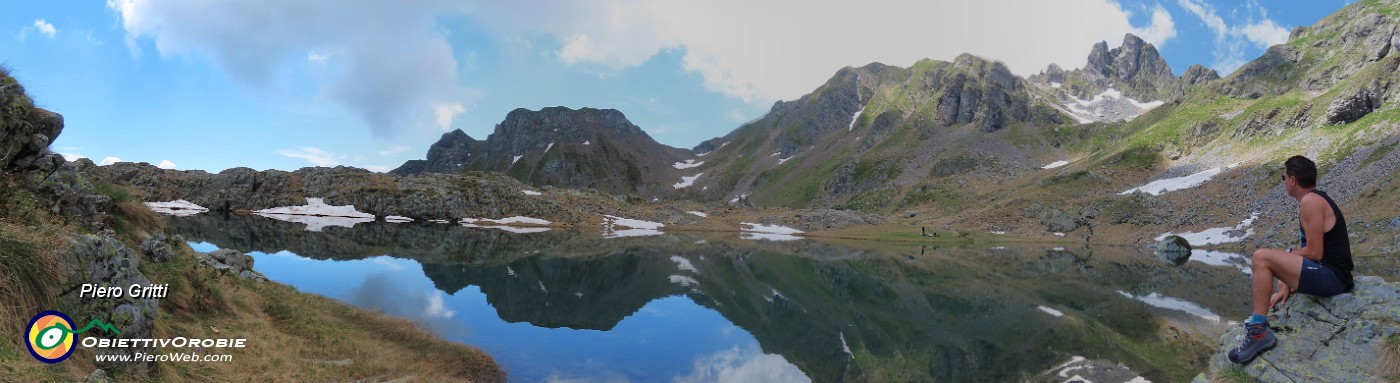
<point>1321,266</point>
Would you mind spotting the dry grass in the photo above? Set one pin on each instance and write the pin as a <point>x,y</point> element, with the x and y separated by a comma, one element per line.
<point>1389,366</point>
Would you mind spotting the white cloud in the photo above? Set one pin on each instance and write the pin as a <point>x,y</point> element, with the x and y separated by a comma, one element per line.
<point>316,156</point>
<point>378,168</point>
<point>70,157</point>
<point>166,164</point>
<point>394,150</point>
<point>46,28</point>
<point>743,365</point>
<point>109,160</point>
<point>392,64</point>
<point>445,113</point>
<point>317,57</point>
<point>1231,41</point>
<point>769,50</point>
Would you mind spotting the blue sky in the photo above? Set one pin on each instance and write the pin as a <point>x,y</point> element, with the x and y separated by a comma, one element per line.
<point>282,84</point>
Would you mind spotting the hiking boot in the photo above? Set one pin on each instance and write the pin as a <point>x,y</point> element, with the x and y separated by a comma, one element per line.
<point>1257,338</point>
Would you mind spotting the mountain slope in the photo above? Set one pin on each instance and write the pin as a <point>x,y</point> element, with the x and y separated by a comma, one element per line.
<point>584,148</point>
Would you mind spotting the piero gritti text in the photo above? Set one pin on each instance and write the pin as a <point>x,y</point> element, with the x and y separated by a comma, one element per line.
<point>138,291</point>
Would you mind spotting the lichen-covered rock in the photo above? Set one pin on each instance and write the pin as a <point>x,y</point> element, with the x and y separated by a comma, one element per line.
<point>233,262</point>
<point>156,248</point>
<point>105,262</point>
<point>1334,339</point>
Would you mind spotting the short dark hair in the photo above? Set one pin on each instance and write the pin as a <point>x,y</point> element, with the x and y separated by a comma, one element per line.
<point>1302,169</point>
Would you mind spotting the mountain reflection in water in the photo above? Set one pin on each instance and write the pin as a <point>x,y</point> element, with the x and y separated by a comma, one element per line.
<point>564,305</point>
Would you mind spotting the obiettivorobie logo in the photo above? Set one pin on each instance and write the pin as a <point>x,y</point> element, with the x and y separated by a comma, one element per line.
<point>50,336</point>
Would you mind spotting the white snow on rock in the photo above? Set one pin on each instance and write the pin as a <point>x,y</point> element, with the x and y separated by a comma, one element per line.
<point>632,227</point>
<point>1177,304</point>
<point>782,160</point>
<point>511,229</point>
<point>855,117</point>
<point>513,160</point>
<point>770,229</point>
<point>736,199</point>
<point>585,143</point>
<point>1111,105</point>
<point>775,154</point>
<point>530,192</point>
<point>768,232</point>
<point>1159,187</point>
<point>1051,311</point>
<point>397,219</point>
<point>437,221</point>
<point>845,347</point>
<point>687,164</point>
<point>687,181</point>
<point>178,208</point>
<point>547,148</point>
<point>684,264</point>
<point>511,220</point>
<point>317,207</point>
<point>701,154</point>
<point>1055,85</point>
<point>1055,164</point>
<point>1217,235</point>
<point>698,214</point>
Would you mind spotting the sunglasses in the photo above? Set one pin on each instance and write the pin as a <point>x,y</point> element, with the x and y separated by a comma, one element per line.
<point>1283,177</point>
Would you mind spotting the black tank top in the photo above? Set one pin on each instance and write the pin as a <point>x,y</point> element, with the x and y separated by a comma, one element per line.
<point>1336,247</point>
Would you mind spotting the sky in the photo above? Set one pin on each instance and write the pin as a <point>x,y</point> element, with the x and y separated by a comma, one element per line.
<point>284,84</point>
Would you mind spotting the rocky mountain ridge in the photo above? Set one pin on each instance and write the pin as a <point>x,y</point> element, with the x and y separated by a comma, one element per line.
<point>585,148</point>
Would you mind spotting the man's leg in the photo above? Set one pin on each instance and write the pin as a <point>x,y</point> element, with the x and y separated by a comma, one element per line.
<point>1267,265</point>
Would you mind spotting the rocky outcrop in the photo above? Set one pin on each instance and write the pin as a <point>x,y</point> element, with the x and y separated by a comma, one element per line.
<point>1134,68</point>
<point>1343,338</point>
<point>25,130</point>
<point>425,196</point>
<point>1173,250</point>
<point>1351,108</point>
<point>1198,74</point>
<point>232,262</point>
<point>106,262</point>
<point>585,148</point>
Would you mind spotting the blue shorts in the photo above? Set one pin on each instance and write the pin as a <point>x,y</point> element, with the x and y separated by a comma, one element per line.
<point>1319,280</point>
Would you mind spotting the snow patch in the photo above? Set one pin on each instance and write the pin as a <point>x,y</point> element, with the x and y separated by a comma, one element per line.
<point>855,117</point>
<point>547,148</point>
<point>846,347</point>
<point>178,208</point>
<point>698,214</point>
<point>511,220</point>
<point>530,192</point>
<point>768,232</point>
<point>634,227</point>
<point>782,160</point>
<point>316,223</point>
<point>1055,85</point>
<point>585,143</point>
<point>1177,304</point>
<point>1054,312</point>
<point>1055,164</point>
<point>1217,235</point>
<point>397,219</point>
<point>510,271</point>
<point>687,181</point>
<point>437,221</point>
<point>513,160</point>
<point>1172,184</point>
<point>317,207</point>
<point>687,164</point>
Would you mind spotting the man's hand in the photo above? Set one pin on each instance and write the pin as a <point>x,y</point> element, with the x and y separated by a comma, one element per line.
<point>1279,298</point>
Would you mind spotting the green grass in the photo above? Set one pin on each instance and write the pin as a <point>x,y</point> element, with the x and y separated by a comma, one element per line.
<point>118,194</point>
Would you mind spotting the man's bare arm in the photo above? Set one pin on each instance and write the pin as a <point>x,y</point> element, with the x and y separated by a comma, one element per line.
<point>1312,214</point>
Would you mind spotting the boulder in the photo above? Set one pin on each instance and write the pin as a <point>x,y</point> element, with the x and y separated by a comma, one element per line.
<point>1351,108</point>
<point>104,261</point>
<point>156,248</point>
<point>233,262</point>
<point>1343,338</point>
<point>1174,250</point>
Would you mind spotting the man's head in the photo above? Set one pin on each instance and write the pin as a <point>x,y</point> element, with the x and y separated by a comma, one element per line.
<point>1302,170</point>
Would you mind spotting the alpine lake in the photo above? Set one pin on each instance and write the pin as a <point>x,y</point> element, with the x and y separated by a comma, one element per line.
<point>563,305</point>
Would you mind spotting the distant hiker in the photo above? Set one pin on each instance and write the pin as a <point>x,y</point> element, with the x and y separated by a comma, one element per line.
<point>1320,266</point>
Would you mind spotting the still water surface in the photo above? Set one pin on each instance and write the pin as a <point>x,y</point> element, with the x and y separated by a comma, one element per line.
<point>571,306</point>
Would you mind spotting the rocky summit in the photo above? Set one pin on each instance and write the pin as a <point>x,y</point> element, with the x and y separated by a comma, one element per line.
<point>585,148</point>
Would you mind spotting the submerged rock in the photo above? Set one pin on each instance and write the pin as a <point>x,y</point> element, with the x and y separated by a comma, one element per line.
<point>1343,338</point>
<point>1174,250</point>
